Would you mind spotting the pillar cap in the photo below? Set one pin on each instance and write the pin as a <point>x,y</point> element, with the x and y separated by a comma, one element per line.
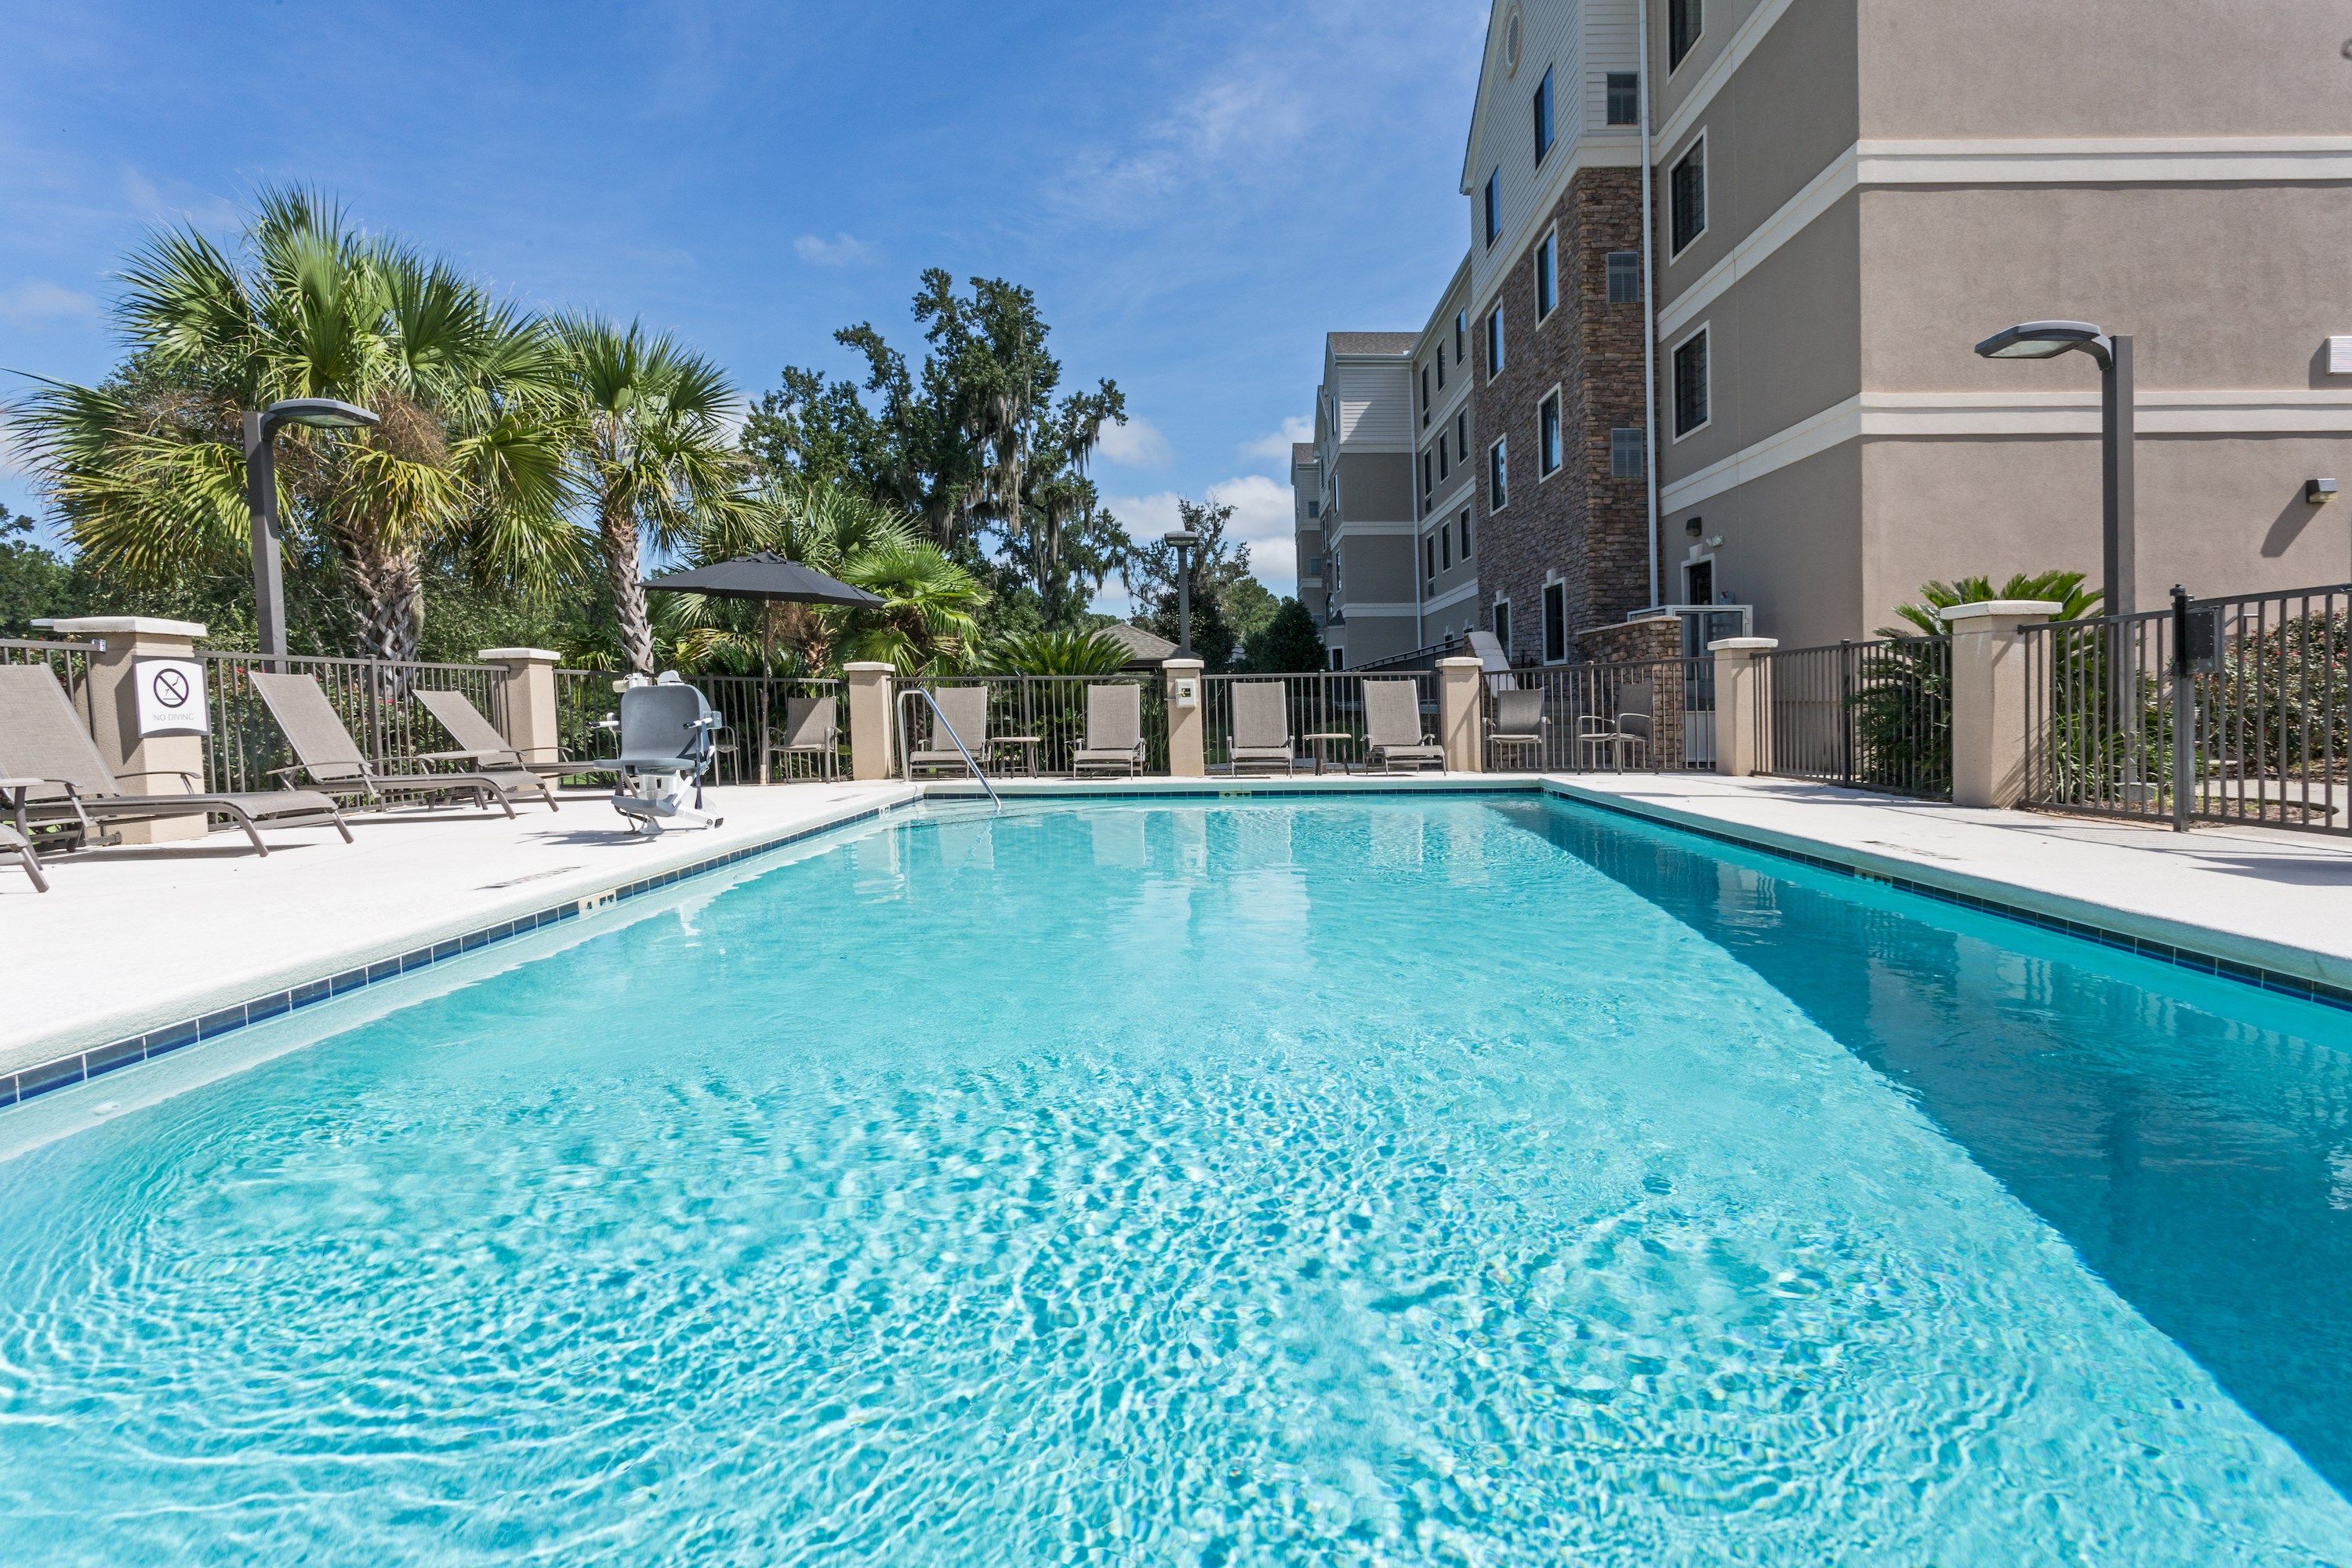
<point>521,655</point>
<point>867,666</point>
<point>1461,661</point>
<point>137,625</point>
<point>1183,665</point>
<point>2043,609</point>
<point>1742,645</point>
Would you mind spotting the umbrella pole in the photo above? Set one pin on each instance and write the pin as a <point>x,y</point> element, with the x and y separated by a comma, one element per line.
<point>767,662</point>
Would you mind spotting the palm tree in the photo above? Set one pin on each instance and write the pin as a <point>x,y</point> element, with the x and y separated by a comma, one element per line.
<point>649,450</point>
<point>149,468</point>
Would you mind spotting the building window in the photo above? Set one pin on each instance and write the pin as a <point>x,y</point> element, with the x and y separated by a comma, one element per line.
<point>1627,456</point>
<point>1463,523</point>
<point>1502,625</point>
<point>1554,626</point>
<point>1462,435</point>
<point>1339,658</point>
<point>1685,19</point>
<point>1429,562</point>
<point>1439,358</point>
<point>1440,456</point>
<point>1494,210</point>
<point>1547,454</point>
<point>1547,275</point>
<point>1690,383</point>
<point>1314,508</point>
<point>1498,476</point>
<point>1424,396</point>
<point>1444,548</point>
<point>1425,475</point>
<point>1686,197</point>
<point>1461,335</point>
<point>1543,117</point>
<point>1315,566</point>
<point>1494,342</point>
<point>1624,99</point>
<point>1624,276</point>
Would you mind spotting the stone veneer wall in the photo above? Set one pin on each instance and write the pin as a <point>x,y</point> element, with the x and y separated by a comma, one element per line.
<point>1590,529</point>
<point>1656,642</point>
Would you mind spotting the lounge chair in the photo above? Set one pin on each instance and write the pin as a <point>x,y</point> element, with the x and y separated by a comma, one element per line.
<point>965,708</point>
<point>1114,732</point>
<point>13,843</point>
<point>1518,726</point>
<point>1628,732</point>
<point>1395,737</point>
<point>811,730</point>
<point>334,763</point>
<point>1262,727</point>
<point>57,776</point>
<point>479,742</point>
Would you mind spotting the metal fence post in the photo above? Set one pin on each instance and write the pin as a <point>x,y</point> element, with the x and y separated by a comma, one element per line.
<point>2186,784</point>
<point>1845,711</point>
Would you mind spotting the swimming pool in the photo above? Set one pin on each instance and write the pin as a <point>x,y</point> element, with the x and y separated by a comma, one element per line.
<point>1377,1179</point>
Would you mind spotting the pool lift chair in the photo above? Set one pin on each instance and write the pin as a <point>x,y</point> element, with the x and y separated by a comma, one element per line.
<point>667,727</point>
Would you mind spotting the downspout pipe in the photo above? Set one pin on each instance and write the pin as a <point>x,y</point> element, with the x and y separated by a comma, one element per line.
<point>1649,311</point>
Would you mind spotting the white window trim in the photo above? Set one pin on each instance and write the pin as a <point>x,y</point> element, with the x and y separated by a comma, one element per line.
<point>1543,474</point>
<point>1503,603</point>
<point>1552,579</point>
<point>1547,85</point>
<point>1706,560</point>
<point>1500,441</point>
<point>1462,522</point>
<point>1706,216</point>
<point>1672,400</point>
<point>1549,236</point>
<point>1693,43</point>
<point>1496,349</point>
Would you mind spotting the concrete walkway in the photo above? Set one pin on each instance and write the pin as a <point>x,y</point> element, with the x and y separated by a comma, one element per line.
<point>2278,900</point>
<point>132,939</point>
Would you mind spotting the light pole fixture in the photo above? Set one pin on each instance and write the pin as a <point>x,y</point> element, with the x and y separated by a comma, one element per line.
<point>2047,339</point>
<point>1183,538</point>
<point>261,427</point>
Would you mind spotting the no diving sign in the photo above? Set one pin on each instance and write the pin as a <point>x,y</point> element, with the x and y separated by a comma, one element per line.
<point>171,696</point>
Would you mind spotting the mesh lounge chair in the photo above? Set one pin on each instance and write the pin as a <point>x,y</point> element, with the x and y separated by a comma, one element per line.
<point>1114,732</point>
<point>13,843</point>
<point>1518,727</point>
<point>1392,719</point>
<point>478,741</point>
<point>336,764</point>
<point>811,730</point>
<point>58,777</point>
<point>1262,727</point>
<point>1628,732</point>
<point>966,710</point>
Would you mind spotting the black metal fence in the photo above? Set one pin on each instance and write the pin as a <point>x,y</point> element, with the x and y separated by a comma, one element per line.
<point>1641,715</point>
<point>1325,709</point>
<point>1869,715</point>
<point>370,695</point>
<point>1037,723</point>
<point>2225,710</point>
<point>756,710</point>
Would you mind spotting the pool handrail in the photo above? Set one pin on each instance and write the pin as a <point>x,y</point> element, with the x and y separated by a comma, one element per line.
<point>940,719</point>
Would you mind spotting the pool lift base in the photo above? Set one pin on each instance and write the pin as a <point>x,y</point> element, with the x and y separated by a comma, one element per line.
<point>666,731</point>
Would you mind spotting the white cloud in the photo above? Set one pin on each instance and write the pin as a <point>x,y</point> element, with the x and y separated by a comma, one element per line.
<point>35,301</point>
<point>839,251</point>
<point>1138,444</point>
<point>1262,520</point>
<point>14,459</point>
<point>205,211</point>
<point>1277,444</point>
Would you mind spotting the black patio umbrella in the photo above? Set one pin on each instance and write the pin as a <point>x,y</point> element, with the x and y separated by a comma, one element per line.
<point>770,577</point>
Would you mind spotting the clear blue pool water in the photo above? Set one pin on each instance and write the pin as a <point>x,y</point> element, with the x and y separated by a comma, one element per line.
<point>1384,1181</point>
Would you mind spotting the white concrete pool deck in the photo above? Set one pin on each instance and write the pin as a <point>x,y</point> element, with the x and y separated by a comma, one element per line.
<point>132,939</point>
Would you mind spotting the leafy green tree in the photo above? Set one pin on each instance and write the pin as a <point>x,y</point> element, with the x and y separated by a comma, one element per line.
<point>34,582</point>
<point>1219,568</point>
<point>1068,650</point>
<point>1248,607</point>
<point>649,452</point>
<point>1288,644</point>
<point>1925,618</point>
<point>148,469</point>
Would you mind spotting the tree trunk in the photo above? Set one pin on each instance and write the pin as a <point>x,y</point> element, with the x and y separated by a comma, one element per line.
<point>388,585</point>
<point>618,528</point>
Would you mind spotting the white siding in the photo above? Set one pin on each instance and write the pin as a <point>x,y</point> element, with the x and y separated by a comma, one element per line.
<point>1612,42</point>
<point>1374,404</point>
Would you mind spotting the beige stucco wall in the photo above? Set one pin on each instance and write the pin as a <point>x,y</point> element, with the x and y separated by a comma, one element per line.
<point>1376,487</point>
<point>1791,546</point>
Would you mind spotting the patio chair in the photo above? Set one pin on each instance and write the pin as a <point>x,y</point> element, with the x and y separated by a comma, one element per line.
<point>1628,732</point>
<point>811,730</point>
<point>1518,726</point>
<point>1262,727</point>
<point>479,742</point>
<point>1394,735</point>
<point>57,776</point>
<point>13,843</point>
<point>334,763</point>
<point>965,709</point>
<point>1114,732</point>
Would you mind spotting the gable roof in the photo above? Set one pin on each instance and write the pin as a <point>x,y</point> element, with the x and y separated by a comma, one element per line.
<point>1142,647</point>
<point>1373,343</point>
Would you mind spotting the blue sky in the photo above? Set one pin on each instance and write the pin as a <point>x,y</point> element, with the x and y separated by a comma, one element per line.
<point>1196,192</point>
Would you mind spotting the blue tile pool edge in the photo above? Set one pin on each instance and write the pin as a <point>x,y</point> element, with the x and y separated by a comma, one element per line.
<point>81,1067</point>
<point>2180,955</point>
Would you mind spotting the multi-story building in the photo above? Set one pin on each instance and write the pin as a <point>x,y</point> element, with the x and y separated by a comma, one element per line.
<point>1853,193</point>
<point>1306,530</point>
<point>1444,474</point>
<point>1362,467</point>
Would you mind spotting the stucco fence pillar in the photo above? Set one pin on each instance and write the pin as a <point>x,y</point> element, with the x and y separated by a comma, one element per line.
<point>1989,698</point>
<point>1187,745</point>
<point>873,727</point>
<point>153,765</point>
<point>1645,651</point>
<point>1460,714</point>
<point>527,714</point>
<point>1743,697</point>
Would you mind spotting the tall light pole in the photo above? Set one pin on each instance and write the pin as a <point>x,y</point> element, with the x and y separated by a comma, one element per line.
<point>1183,540</point>
<point>2047,339</point>
<point>261,428</point>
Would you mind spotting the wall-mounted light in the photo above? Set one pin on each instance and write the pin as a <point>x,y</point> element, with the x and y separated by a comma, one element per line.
<point>1694,525</point>
<point>2319,492</point>
<point>1715,541</point>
